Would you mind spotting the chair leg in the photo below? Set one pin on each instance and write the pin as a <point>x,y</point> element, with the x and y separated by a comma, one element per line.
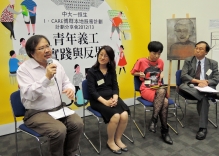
<point>175,114</point>
<point>136,125</point>
<point>40,148</point>
<point>178,106</point>
<point>185,113</point>
<point>98,151</point>
<point>132,139</point>
<point>79,149</point>
<point>172,128</point>
<point>16,140</point>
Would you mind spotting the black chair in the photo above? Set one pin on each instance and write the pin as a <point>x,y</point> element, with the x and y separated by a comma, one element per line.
<point>148,106</point>
<point>19,111</point>
<point>99,118</point>
<point>187,97</point>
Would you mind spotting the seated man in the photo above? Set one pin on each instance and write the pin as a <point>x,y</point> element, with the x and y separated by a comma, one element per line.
<point>201,71</point>
<point>41,84</point>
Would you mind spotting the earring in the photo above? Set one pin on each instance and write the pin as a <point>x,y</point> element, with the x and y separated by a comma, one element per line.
<point>109,62</point>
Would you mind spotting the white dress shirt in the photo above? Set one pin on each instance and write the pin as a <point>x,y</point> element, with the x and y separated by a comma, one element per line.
<point>37,91</point>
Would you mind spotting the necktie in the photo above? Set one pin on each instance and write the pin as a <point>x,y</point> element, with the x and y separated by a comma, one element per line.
<point>198,71</point>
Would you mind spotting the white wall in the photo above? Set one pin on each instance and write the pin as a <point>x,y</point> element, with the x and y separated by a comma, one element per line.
<point>202,10</point>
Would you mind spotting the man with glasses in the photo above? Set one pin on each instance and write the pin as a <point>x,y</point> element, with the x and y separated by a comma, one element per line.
<point>200,71</point>
<point>41,84</point>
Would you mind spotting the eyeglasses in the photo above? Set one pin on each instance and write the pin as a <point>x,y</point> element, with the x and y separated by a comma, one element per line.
<point>200,49</point>
<point>102,55</point>
<point>44,48</point>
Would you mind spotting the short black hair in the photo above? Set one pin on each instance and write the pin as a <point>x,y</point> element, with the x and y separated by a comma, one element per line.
<point>12,52</point>
<point>121,46</point>
<point>21,39</point>
<point>155,46</point>
<point>32,42</point>
<point>207,47</point>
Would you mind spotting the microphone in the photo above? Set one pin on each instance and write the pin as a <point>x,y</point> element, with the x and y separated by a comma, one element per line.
<point>49,61</point>
<point>191,85</point>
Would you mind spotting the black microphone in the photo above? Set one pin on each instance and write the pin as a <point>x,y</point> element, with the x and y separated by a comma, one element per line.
<point>49,61</point>
<point>191,85</point>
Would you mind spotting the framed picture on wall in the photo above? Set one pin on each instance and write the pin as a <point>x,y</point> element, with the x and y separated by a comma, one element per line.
<point>181,38</point>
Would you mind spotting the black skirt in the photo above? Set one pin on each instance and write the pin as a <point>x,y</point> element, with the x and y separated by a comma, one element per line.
<point>106,111</point>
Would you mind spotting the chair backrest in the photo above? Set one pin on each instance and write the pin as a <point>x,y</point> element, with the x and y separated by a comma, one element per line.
<point>178,77</point>
<point>137,83</point>
<point>85,90</point>
<point>16,104</point>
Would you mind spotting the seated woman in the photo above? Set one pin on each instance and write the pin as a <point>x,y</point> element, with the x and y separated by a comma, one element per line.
<point>104,91</point>
<point>149,72</point>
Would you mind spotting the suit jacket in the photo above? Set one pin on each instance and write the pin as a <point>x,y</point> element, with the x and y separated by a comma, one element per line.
<point>188,73</point>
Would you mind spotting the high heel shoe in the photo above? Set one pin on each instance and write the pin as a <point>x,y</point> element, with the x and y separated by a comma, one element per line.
<point>165,136</point>
<point>114,151</point>
<point>153,125</point>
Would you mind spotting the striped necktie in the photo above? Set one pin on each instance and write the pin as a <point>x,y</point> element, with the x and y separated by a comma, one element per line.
<point>198,71</point>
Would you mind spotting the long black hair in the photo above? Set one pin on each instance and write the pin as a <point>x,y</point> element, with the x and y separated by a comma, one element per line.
<point>111,54</point>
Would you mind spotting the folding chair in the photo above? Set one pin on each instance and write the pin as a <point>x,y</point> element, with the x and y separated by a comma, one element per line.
<point>19,111</point>
<point>99,118</point>
<point>186,97</point>
<point>148,106</point>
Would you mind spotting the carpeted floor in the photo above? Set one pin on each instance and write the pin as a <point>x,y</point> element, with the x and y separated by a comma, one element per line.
<point>184,144</point>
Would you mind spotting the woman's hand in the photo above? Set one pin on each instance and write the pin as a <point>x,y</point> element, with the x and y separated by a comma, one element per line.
<point>109,102</point>
<point>141,74</point>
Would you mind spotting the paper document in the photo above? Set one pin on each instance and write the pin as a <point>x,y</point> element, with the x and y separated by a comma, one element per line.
<point>206,89</point>
<point>61,113</point>
<point>158,87</point>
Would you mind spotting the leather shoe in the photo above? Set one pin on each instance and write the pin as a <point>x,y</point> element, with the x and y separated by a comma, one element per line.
<point>114,151</point>
<point>201,134</point>
<point>125,149</point>
<point>166,138</point>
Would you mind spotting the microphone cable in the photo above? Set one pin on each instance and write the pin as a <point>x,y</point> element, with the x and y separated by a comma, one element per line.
<point>62,103</point>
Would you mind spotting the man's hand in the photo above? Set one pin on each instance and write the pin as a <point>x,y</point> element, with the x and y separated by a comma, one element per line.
<point>50,70</point>
<point>203,83</point>
<point>69,93</point>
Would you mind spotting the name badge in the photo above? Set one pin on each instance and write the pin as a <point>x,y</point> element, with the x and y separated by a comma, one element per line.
<point>209,72</point>
<point>100,82</point>
<point>147,82</point>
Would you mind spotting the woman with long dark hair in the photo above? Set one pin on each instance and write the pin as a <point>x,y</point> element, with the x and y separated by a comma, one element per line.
<point>104,91</point>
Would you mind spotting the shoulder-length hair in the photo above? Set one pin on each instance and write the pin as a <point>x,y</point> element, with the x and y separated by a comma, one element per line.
<point>111,54</point>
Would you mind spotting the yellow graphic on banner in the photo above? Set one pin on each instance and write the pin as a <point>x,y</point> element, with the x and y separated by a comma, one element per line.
<point>134,35</point>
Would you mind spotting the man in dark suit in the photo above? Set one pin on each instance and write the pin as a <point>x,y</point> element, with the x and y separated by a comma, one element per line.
<point>200,71</point>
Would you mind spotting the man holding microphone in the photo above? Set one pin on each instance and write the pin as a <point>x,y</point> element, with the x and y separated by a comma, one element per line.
<point>40,84</point>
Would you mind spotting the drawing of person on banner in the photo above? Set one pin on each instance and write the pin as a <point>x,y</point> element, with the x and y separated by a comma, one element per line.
<point>29,13</point>
<point>184,48</point>
<point>116,22</point>
<point>13,62</point>
<point>77,78</point>
<point>122,61</point>
<point>22,50</point>
<point>7,17</point>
